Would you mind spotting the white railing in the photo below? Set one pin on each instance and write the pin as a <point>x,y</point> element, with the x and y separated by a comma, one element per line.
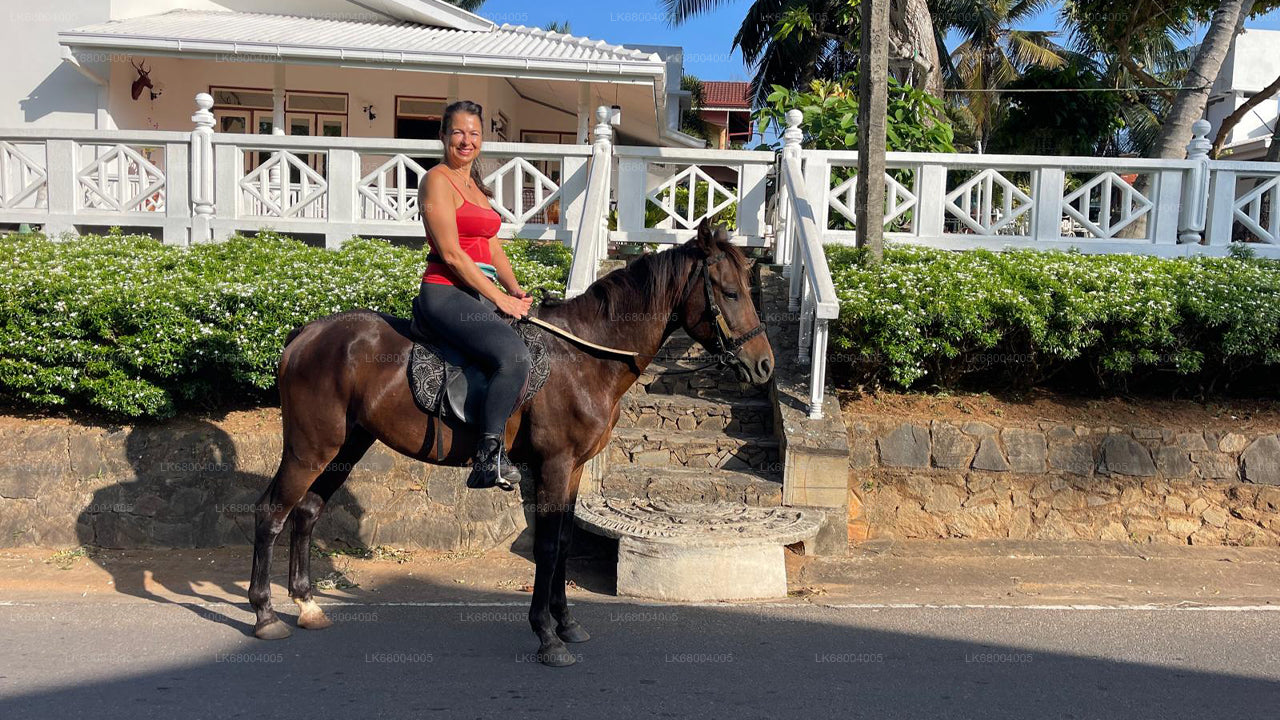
<point>340,187</point>
<point>1132,205</point>
<point>663,193</point>
<point>812,291</point>
<point>64,179</point>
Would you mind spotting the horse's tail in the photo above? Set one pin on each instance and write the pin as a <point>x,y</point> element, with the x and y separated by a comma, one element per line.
<point>292,334</point>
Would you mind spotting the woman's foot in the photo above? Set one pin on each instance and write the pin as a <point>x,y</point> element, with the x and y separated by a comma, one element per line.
<point>492,466</point>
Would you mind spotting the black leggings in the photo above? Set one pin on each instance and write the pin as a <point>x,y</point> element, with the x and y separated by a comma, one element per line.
<point>462,319</point>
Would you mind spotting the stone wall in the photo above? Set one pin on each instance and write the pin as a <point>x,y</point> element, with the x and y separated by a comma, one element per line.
<point>191,483</point>
<point>938,479</point>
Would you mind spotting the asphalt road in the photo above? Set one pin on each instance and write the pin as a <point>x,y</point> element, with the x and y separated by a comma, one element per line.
<point>464,659</point>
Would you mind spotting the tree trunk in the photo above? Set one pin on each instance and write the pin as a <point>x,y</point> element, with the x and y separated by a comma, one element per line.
<point>913,54</point>
<point>873,91</point>
<point>1188,106</point>
<point>1235,117</point>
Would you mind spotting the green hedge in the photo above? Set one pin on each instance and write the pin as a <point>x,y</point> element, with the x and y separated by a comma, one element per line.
<point>936,318</point>
<point>126,326</point>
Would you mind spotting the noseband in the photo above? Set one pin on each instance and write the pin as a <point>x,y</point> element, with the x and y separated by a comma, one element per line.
<point>727,344</point>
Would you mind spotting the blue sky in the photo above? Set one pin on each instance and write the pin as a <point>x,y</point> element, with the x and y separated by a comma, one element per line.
<point>706,39</point>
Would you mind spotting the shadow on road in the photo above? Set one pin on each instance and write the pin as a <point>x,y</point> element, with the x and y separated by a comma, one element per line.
<point>469,653</point>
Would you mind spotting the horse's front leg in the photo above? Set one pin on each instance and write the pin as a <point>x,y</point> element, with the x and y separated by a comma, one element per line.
<point>557,490</point>
<point>567,628</point>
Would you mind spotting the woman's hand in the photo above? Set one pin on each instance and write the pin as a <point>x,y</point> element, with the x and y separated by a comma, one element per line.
<point>513,306</point>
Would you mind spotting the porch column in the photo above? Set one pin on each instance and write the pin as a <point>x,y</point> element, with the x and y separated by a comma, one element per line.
<point>584,111</point>
<point>277,101</point>
<point>274,175</point>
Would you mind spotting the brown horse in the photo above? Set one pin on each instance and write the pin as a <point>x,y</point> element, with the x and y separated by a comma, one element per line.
<point>335,402</point>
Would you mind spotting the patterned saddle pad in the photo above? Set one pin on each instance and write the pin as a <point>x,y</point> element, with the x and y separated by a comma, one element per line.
<point>444,384</point>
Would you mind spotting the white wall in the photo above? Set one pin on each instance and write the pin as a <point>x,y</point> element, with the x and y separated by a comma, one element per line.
<point>37,89</point>
<point>1252,63</point>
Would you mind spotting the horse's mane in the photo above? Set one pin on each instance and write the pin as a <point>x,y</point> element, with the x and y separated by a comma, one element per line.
<point>638,286</point>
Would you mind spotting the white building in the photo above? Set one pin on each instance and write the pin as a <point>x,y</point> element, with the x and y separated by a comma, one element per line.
<point>372,68</point>
<point>1252,64</point>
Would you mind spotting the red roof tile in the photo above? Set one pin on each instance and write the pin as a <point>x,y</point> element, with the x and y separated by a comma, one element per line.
<point>719,93</point>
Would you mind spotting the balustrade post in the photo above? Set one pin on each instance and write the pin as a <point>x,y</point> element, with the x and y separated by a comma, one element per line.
<point>229,165</point>
<point>931,202</point>
<point>62,168</point>
<point>202,173</point>
<point>1195,186</point>
<point>602,148</point>
<point>1047,211</point>
<point>343,175</point>
<point>785,236</point>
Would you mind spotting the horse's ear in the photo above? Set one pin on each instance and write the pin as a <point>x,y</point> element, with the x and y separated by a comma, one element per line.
<point>706,238</point>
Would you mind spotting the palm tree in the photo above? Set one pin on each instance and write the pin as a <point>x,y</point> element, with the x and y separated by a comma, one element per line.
<point>468,5</point>
<point>791,42</point>
<point>993,54</point>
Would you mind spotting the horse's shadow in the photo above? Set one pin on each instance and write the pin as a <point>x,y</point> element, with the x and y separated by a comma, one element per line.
<point>192,487</point>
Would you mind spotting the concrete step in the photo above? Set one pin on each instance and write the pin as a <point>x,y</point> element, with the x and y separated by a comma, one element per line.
<point>692,414</point>
<point>661,448</point>
<point>678,484</point>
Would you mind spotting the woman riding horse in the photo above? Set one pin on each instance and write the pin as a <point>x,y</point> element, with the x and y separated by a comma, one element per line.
<point>462,233</point>
<point>336,401</point>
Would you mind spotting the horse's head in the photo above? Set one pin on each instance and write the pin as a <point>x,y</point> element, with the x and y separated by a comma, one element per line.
<point>716,309</point>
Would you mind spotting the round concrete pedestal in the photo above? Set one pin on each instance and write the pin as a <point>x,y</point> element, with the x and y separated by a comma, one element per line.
<point>698,551</point>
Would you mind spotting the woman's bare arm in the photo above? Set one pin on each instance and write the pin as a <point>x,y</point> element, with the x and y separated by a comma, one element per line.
<point>506,275</point>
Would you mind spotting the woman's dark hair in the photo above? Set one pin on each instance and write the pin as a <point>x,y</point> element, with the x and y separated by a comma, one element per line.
<point>446,127</point>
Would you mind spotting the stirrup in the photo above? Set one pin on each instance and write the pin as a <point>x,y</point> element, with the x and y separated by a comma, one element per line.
<point>492,466</point>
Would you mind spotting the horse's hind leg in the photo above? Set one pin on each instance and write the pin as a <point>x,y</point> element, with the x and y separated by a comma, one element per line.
<point>305,515</point>
<point>273,508</point>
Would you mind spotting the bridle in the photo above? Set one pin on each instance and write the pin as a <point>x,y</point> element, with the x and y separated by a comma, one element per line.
<point>727,344</point>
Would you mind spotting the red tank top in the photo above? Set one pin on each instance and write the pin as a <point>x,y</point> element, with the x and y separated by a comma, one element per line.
<point>476,226</point>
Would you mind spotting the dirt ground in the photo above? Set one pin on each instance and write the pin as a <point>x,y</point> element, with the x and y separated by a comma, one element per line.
<point>1245,416</point>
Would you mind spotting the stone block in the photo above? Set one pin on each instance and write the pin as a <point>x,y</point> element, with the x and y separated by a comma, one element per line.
<point>1261,461</point>
<point>906,446</point>
<point>989,456</point>
<point>952,449</point>
<point>1215,465</point>
<point>1027,450</point>
<point>1232,443</point>
<point>1173,462</point>
<point>1074,456</point>
<point>1123,455</point>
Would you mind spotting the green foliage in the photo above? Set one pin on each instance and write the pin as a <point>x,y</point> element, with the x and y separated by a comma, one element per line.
<point>1058,123</point>
<point>128,326</point>
<point>691,122</point>
<point>653,214</point>
<point>916,121</point>
<point>927,317</point>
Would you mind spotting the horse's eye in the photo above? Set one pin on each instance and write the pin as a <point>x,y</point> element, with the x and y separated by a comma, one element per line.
<point>729,295</point>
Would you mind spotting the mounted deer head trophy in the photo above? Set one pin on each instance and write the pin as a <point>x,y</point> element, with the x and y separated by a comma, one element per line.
<point>143,81</point>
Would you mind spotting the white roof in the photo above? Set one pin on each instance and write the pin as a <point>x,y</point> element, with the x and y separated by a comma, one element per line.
<point>530,51</point>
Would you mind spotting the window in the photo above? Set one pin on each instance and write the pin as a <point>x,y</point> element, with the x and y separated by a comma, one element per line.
<point>418,118</point>
<point>306,113</point>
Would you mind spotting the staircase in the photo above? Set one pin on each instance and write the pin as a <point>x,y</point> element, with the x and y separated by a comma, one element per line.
<point>696,437</point>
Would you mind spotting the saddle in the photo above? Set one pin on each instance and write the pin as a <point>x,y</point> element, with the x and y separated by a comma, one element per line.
<point>445,383</point>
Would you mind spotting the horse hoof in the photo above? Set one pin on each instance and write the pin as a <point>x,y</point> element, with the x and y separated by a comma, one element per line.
<point>555,655</point>
<point>311,617</point>
<point>573,633</point>
<point>273,630</point>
